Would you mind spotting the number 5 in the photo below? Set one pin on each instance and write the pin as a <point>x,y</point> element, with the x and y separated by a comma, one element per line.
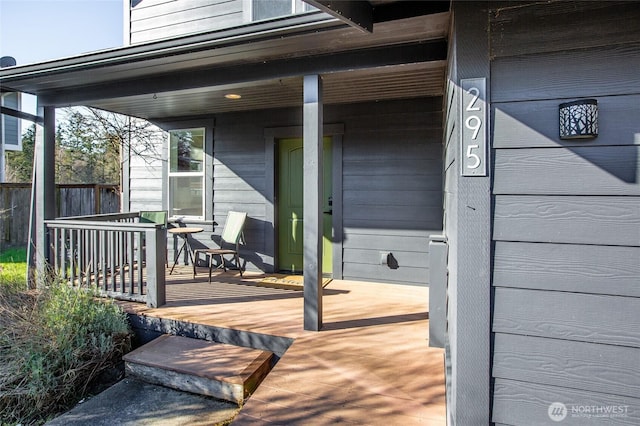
<point>473,156</point>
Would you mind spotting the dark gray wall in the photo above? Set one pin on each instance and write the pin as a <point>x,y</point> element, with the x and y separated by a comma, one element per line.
<point>566,319</point>
<point>392,187</point>
<point>392,184</point>
<point>392,194</point>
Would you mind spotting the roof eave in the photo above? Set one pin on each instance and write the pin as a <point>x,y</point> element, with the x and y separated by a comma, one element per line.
<point>298,24</point>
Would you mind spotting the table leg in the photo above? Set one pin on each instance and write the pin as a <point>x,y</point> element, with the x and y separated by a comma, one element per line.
<point>189,250</point>
<point>175,260</point>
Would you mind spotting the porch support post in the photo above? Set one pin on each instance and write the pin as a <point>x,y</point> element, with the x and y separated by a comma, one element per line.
<point>156,263</point>
<point>45,188</point>
<point>469,311</point>
<point>312,199</point>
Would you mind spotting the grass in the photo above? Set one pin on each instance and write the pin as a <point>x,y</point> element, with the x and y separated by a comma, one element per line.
<point>54,344</point>
<point>13,268</point>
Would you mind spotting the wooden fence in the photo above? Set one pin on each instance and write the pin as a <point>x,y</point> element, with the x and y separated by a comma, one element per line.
<point>72,200</point>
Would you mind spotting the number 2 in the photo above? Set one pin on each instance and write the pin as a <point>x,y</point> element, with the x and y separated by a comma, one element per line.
<point>476,94</point>
<point>473,156</point>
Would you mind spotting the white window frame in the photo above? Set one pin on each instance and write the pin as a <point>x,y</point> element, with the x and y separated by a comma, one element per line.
<point>201,173</point>
<point>297,7</point>
<point>8,146</point>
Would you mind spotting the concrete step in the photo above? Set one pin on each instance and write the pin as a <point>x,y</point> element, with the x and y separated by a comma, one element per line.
<point>226,372</point>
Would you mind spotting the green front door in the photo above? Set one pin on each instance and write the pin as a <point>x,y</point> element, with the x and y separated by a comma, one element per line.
<point>290,216</point>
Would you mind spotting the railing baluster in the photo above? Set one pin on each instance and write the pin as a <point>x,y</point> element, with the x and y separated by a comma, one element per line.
<point>113,258</point>
<point>131,248</point>
<point>95,245</point>
<point>62,271</point>
<point>91,243</point>
<point>72,243</point>
<point>87,251</point>
<point>123,261</point>
<point>82,250</point>
<point>140,260</point>
<point>56,245</point>
<point>104,258</point>
<point>114,254</point>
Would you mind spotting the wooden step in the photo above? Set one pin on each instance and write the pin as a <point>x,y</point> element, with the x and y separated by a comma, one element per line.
<point>218,370</point>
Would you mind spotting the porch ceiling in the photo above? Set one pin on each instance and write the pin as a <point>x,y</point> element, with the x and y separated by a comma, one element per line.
<point>402,58</point>
<point>372,84</point>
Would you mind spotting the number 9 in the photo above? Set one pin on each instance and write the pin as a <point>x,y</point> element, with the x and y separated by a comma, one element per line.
<point>476,127</point>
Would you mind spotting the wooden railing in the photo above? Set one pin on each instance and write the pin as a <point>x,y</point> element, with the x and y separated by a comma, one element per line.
<point>111,253</point>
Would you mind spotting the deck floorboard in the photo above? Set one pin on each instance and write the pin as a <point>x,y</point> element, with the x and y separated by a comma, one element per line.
<point>370,364</point>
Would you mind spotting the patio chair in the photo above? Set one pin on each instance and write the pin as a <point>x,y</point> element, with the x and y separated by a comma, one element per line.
<point>229,243</point>
<point>158,217</point>
<point>154,216</point>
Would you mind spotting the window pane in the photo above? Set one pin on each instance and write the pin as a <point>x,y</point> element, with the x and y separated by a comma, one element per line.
<point>265,9</point>
<point>185,193</point>
<point>186,149</point>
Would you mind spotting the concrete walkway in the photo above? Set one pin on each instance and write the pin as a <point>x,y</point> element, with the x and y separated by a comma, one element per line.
<point>134,403</point>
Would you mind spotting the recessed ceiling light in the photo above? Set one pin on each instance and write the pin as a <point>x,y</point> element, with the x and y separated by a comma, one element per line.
<point>232,96</point>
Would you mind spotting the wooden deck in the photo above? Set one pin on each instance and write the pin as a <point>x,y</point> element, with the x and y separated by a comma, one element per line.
<point>370,364</point>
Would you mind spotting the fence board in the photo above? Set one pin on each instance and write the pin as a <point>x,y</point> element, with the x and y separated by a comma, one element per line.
<point>73,200</point>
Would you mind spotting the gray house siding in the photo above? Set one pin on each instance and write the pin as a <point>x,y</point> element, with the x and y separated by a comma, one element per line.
<point>144,169</point>
<point>392,196</point>
<point>567,213</point>
<point>146,184</point>
<point>392,184</point>
<point>158,19</point>
<point>392,187</point>
<point>239,176</point>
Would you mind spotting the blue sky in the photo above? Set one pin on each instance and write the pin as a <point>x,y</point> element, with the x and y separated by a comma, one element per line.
<point>40,30</point>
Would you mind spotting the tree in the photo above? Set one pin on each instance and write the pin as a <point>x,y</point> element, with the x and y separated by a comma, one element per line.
<point>88,144</point>
<point>84,154</point>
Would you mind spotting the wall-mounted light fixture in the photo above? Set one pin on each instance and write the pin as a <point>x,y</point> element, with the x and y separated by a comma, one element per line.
<point>579,119</point>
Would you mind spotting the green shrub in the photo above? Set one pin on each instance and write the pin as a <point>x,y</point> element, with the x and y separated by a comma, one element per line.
<point>53,344</point>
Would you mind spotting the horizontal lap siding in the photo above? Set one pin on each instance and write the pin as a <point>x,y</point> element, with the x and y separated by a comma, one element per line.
<point>392,181</point>
<point>392,198</point>
<point>566,213</point>
<point>160,19</point>
<point>516,400</point>
<point>146,174</point>
<point>599,220</point>
<point>574,268</point>
<point>239,176</point>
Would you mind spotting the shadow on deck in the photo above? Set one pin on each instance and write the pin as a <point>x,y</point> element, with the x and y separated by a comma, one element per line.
<point>370,362</point>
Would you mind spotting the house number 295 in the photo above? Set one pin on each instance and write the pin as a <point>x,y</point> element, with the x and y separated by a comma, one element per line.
<point>474,134</point>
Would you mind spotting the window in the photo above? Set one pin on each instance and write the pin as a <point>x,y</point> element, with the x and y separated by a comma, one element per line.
<point>267,9</point>
<point>186,173</point>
